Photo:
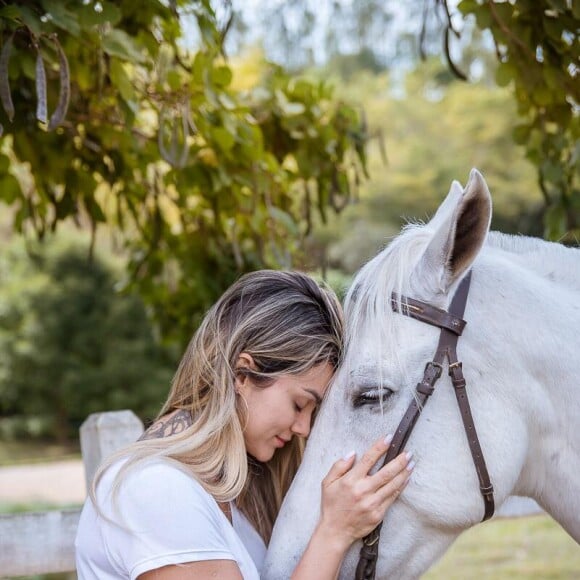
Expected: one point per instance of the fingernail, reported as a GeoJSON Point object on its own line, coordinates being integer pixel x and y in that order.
{"type": "Point", "coordinates": [408, 455]}
{"type": "Point", "coordinates": [388, 439]}
{"type": "Point", "coordinates": [410, 466]}
{"type": "Point", "coordinates": [348, 456]}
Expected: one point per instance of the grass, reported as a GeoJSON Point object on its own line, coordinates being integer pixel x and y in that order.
{"type": "Point", "coordinates": [59, 576]}
{"type": "Point", "coordinates": [17, 452]}
{"type": "Point", "coordinates": [508, 549]}
{"type": "Point", "coordinates": [7, 508]}
{"type": "Point", "coordinates": [527, 548]}
{"type": "Point", "coordinates": [516, 549]}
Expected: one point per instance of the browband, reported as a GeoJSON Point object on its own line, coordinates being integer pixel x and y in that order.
{"type": "Point", "coordinates": [427, 313]}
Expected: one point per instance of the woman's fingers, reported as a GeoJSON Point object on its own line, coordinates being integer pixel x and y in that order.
{"type": "Point", "coordinates": [371, 456]}
{"type": "Point", "coordinates": [389, 471]}
{"type": "Point", "coordinates": [339, 468]}
{"type": "Point", "coordinates": [354, 502]}
{"type": "Point", "coordinates": [389, 492]}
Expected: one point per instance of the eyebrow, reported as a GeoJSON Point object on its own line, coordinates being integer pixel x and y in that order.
{"type": "Point", "coordinates": [314, 394]}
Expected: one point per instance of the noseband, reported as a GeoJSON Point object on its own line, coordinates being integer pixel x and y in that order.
{"type": "Point", "coordinates": [451, 325]}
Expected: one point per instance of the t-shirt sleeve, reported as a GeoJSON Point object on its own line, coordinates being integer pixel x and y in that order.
{"type": "Point", "coordinates": [166, 518]}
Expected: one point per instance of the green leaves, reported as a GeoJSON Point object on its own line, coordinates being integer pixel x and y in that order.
{"type": "Point", "coordinates": [71, 345]}
{"type": "Point", "coordinates": [539, 53]}
{"type": "Point", "coordinates": [118, 43]}
{"type": "Point", "coordinates": [122, 81]}
{"type": "Point", "coordinates": [107, 13]}
{"type": "Point", "coordinates": [223, 138]}
{"type": "Point", "coordinates": [9, 189]}
{"type": "Point", "coordinates": [505, 74]}
{"type": "Point", "coordinates": [58, 13]}
{"type": "Point", "coordinates": [200, 179]}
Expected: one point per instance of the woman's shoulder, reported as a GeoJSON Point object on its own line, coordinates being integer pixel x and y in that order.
{"type": "Point", "coordinates": [155, 479]}
{"type": "Point", "coordinates": [172, 423]}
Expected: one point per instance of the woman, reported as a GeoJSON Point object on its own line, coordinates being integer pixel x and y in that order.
{"type": "Point", "coordinates": [197, 496]}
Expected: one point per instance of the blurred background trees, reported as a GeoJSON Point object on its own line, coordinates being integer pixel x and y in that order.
{"type": "Point", "coordinates": [189, 141]}
{"type": "Point", "coordinates": [534, 51]}
{"type": "Point", "coordinates": [69, 343]}
{"type": "Point", "coordinates": [109, 119]}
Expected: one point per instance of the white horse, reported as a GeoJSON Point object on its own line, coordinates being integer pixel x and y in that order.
{"type": "Point", "coordinates": [520, 352]}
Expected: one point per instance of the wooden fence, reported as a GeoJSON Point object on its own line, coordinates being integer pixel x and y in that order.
{"type": "Point", "coordinates": [43, 542]}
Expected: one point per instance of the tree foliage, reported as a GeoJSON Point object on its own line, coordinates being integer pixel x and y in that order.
{"type": "Point", "coordinates": [70, 345]}
{"type": "Point", "coordinates": [537, 47]}
{"type": "Point", "coordinates": [536, 54]}
{"type": "Point", "coordinates": [108, 119]}
{"type": "Point", "coordinates": [434, 129]}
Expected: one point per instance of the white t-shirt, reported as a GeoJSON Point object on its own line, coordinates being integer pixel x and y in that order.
{"type": "Point", "coordinates": [168, 518]}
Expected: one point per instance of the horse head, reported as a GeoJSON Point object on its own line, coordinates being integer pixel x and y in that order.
{"type": "Point", "coordinates": [510, 368]}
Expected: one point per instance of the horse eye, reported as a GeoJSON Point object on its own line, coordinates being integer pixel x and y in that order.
{"type": "Point", "coordinates": [371, 396]}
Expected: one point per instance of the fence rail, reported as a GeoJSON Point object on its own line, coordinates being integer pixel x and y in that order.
{"type": "Point", "coordinates": [43, 542]}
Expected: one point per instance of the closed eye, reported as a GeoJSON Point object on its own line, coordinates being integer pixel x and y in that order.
{"type": "Point", "coordinates": [372, 396]}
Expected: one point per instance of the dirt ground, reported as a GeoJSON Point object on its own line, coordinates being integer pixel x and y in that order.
{"type": "Point", "coordinates": [61, 482]}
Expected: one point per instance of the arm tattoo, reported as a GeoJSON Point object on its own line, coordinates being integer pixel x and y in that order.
{"type": "Point", "coordinates": [172, 424]}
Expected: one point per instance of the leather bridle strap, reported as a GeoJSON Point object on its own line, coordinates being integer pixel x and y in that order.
{"type": "Point", "coordinates": [452, 325]}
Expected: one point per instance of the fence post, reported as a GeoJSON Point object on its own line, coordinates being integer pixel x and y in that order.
{"type": "Point", "coordinates": [104, 433]}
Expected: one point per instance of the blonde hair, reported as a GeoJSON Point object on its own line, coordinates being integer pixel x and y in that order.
{"type": "Point", "coordinates": [288, 324]}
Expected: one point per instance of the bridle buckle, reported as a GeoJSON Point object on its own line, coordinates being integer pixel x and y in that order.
{"type": "Point", "coordinates": [432, 371]}
{"type": "Point", "coordinates": [371, 542]}
{"type": "Point", "coordinates": [456, 374]}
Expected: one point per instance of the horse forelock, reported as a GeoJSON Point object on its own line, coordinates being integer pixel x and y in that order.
{"type": "Point", "coordinates": [368, 305]}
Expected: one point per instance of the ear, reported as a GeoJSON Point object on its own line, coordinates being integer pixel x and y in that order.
{"type": "Point", "coordinates": [445, 210]}
{"type": "Point", "coordinates": [460, 228]}
{"type": "Point", "coordinates": [245, 361]}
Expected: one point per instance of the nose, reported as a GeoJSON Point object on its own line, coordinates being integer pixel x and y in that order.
{"type": "Point", "coordinates": [301, 426]}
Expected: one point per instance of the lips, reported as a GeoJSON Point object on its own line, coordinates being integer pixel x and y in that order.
{"type": "Point", "coordinates": [281, 442]}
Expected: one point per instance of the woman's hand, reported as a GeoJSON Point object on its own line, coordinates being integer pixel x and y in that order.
{"type": "Point", "coordinates": [354, 502]}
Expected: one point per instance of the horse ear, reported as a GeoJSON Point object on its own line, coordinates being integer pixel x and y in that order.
{"type": "Point", "coordinates": [448, 205]}
{"type": "Point", "coordinates": [460, 228]}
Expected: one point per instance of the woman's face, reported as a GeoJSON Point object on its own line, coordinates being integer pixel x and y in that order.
{"type": "Point", "coordinates": [276, 413]}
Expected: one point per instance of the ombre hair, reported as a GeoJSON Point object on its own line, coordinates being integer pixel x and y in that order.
{"type": "Point", "coordinates": [288, 324]}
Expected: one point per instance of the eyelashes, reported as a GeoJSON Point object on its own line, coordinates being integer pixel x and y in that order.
{"type": "Point", "coordinates": [371, 396]}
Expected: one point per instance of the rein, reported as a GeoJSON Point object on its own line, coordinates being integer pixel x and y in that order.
{"type": "Point", "coordinates": [451, 325]}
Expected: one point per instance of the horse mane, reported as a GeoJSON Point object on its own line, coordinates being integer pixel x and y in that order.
{"type": "Point", "coordinates": [368, 305]}
{"type": "Point", "coordinates": [519, 244]}
{"type": "Point", "coordinates": [550, 260]}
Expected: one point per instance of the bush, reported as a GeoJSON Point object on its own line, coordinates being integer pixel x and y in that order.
{"type": "Point", "coordinates": [70, 345]}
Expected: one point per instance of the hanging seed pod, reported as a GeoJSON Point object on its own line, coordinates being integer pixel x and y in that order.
{"type": "Point", "coordinates": [175, 156]}
{"type": "Point", "coordinates": [174, 143]}
{"type": "Point", "coordinates": [191, 128]}
{"type": "Point", "coordinates": [64, 95]}
{"type": "Point", "coordinates": [160, 141]}
{"type": "Point", "coordinates": [185, 130]}
{"type": "Point", "coordinates": [5, 94]}
{"type": "Point", "coordinates": [41, 101]}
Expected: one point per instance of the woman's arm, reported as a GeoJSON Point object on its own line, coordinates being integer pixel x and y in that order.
{"type": "Point", "coordinates": [207, 569]}
{"type": "Point", "coordinates": [353, 504]}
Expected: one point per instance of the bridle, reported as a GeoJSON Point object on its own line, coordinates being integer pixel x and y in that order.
{"type": "Point", "coordinates": [451, 325]}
